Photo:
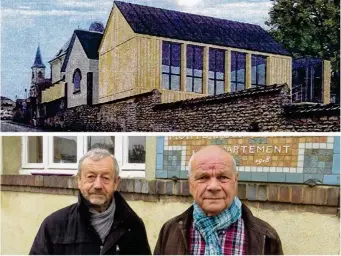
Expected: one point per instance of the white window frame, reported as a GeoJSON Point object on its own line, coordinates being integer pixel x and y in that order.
{"type": "Point", "coordinates": [127, 170]}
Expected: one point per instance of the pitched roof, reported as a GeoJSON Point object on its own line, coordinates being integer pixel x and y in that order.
{"type": "Point", "coordinates": [38, 63]}
{"type": "Point", "coordinates": [62, 50]}
{"type": "Point", "coordinates": [90, 41]}
{"type": "Point", "coordinates": [197, 28]}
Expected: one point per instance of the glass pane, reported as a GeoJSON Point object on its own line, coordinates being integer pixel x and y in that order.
{"type": "Point", "coordinates": [136, 149]}
{"type": "Point", "coordinates": [198, 85]}
{"type": "Point", "coordinates": [210, 87]}
{"type": "Point", "coordinates": [241, 75]}
{"type": "Point", "coordinates": [220, 61]}
{"type": "Point", "coordinates": [198, 72]}
{"type": "Point", "coordinates": [175, 70]}
{"type": "Point", "coordinates": [165, 81]}
{"type": "Point", "coordinates": [211, 74]}
{"type": "Point", "coordinates": [175, 83]}
{"type": "Point", "coordinates": [198, 58]}
{"type": "Point", "coordinates": [165, 53]}
{"type": "Point", "coordinates": [240, 87]}
{"type": "Point", "coordinates": [176, 55]}
{"type": "Point", "coordinates": [189, 56]}
{"type": "Point", "coordinates": [165, 68]}
{"type": "Point", "coordinates": [253, 75]}
{"type": "Point", "coordinates": [220, 75]}
{"type": "Point", "coordinates": [189, 71]}
{"type": "Point", "coordinates": [106, 142]}
{"type": "Point", "coordinates": [65, 149]}
{"type": "Point", "coordinates": [261, 74]}
{"type": "Point", "coordinates": [233, 86]}
{"type": "Point", "coordinates": [35, 149]}
{"type": "Point", "coordinates": [189, 81]}
{"type": "Point", "coordinates": [220, 87]}
{"type": "Point", "coordinates": [212, 59]}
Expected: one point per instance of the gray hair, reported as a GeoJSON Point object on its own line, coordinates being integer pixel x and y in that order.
{"type": "Point", "coordinates": [191, 159]}
{"type": "Point", "coordinates": [97, 154]}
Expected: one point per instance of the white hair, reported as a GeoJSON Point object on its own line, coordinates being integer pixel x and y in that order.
{"type": "Point", "coordinates": [191, 159]}
{"type": "Point", "coordinates": [97, 154]}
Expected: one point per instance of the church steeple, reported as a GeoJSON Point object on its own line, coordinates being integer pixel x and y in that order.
{"type": "Point", "coordinates": [38, 63]}
{"type": "Point", "coordinates": [38, 69]}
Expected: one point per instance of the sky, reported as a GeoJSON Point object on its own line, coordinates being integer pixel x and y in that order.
{"type": "Point", "coordinates": [50, 23]}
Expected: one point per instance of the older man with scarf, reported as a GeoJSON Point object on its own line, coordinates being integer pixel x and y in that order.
{"type": "Point", "coordinates": [101, 222]}
{"type": "Point", "coordinates": [217, 223]}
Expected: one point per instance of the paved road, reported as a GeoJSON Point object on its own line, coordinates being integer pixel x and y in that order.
{"type": "Point", "coordinates": [8, 126]}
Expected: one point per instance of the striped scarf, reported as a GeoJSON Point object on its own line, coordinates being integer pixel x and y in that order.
{"type": "Point", "coordinates": [209, 226]}
{"type": "Point", "coordinates": [102, 221]}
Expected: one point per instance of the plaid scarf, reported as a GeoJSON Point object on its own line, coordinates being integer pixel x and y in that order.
{"type": "Point", "coordinates": [210, 226]}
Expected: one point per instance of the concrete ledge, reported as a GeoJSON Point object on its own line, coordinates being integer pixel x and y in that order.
{"type": "Point", "coordinates": [151, 190]}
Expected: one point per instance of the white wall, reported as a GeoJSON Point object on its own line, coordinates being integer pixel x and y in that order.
{"type": "Point", "coordinates": [78, 59]}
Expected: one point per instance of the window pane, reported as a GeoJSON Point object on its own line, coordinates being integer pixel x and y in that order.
{"type": "Point", "coordinates": [175, 70]}
{"type": "Point", "coordinates": [211, 74]}
{"type": "Point", "coordinates": [189, 81]}
{"type": "Point", "coordinates": [176, 55]}
{"type": "Point", "coordinates": [175, 83]}
{"type": "Point", "coordinates": [240, 87]}
{"type": "Point", "coordinates": [189, 56]}
{"type": "Point", "coordinates": [35, 149]}
{"type": "Point", "coordinates": [198, 72]}
{"type": "Point", "coordinates": [241, 75]}
{"type": "Point", "coordinates": [220, 61]}
{"type": "Point", "coordinates": [165, 68]}
{"type": "Point", "coordinates": [106, 142]}
{"type": "Point", "coordinates": [165, 53]}
{"type": "Point", "coordinates": [210, 87]}
{"type": "Point", "coordinates": [258, 71]}
{"type": "Point", "coordinates": [261, 74]}
{"type": "Point", "coordinates": [198, 58]}
{"type": "Point", "coordinates": [136, 149]}
{"type": "Point", "coordinates": [212, 59]}
{"type": "Point", "coordinates": [220, 75]}
{"type": "Point", "coordinates": [65, 149]}
{"type": "Point", "coordinates": [198, 85]}
{"type": "Point", "coordinates": [165, 81]}
{"type": "Point", "coordinates": [220, 87]}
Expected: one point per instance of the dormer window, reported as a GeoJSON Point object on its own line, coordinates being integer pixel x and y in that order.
{"type": "Point", "coordinates": [77, 77]}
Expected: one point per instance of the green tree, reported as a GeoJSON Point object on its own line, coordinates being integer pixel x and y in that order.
{"type": "Point", "coordinates": [309, 28]}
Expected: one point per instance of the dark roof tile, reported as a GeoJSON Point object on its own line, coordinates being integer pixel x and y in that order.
{"type": "Point", "coordinates": [197, 28]}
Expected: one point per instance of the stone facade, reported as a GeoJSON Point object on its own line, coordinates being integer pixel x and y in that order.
{"type": "Point", "coordinates": [255, 109]}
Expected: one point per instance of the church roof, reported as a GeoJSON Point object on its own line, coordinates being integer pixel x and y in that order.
{"type": "Point", "coordinates": [197, 28]}
{"type": "Point", "coordinates": [90, 41]}
{"type": "Point", "coordinates": [38, 63]}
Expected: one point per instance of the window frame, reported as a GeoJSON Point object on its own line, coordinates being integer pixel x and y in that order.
{"type": "Point", "coordinates": [234, 83]}
{"type": "Point", "coordinates": [215, 79]}
{"type": "Point", "coordinates": [169, 73]}
{"type": "Point", "coordinates": [192, 75]}
{"type": "Point", "coordinates": [47, 167]}
{"type": "Point", "coordinates": [77, 90]}
{"type": "Point", "coordinates": [257, 84]}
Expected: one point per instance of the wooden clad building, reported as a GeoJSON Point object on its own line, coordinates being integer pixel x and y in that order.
{"type": "Point", "coordinates": [185, 55]}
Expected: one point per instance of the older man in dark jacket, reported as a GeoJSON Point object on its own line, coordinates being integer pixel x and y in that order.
{"type": "Point", "coordinates": [101, 222]}
{"type": "Point", "coordinates": [217, 223]}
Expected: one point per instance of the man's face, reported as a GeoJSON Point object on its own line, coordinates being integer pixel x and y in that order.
{"type": "Point", "coordinates": [98, 182]}
{"type": "Point", "coordinates": [213, 183]}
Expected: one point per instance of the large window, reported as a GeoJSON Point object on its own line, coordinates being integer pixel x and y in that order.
{"type": "Point", "coordinates": [238, 65]}
{"type": "Point", "coordinates": [60, 154]}
{"type": "Point", "coordinates": [194, 69]}
{"type": "Point", "coordinates": [258, 77]}
{"type": "Point", "coordinates": [77, 77]}
{"type": "Point", "coordinates": [216, 72]}
{"type": "Point", "coordinates": [171, 62]}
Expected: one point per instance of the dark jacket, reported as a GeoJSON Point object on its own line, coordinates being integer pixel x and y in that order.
{"type": "Point", "coordinates": [175, 234]}
{"type": "Point", "coordinates": [69, 231]}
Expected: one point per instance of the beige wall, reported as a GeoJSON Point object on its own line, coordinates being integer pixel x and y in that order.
{"type": "Point", "coordinates": [300, 232]}
{"type": "Point", "coordinates": [11, 154]}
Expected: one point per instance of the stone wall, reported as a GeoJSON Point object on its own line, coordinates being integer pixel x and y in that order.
{"type": "Point", "coordinates": [255, 109]}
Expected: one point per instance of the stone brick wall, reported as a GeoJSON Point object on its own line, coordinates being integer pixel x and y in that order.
{"type": "Point", "coordinates": [255, 109]}
{"type": "Point", "coordinates": [152, 190]}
